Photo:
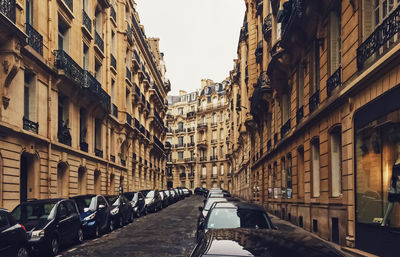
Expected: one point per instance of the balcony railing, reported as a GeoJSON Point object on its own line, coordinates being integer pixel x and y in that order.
{"type": "Point", "coordinates": [299, 114]}
{"type": "Point", "coordinates": [71, 69]}
{"type": "Point", "coordinates": [190, 114]}
{"type": "Point", "coordinates": [203, 159]}
{"type": "Point", "coordinates": [128, 74]}
{"type": "Point", "coordinates": [137, 124]}
{"type": "Point", "coordinates": [334, 81]}
{"type": "Point", "coordinates": [114, 110]}
{"type": "Point", "coordinates": [213, 157]}
{"type": "Point", "coordinates": [112, 158]}
{"type": "Point", "coordinates": [35, 40]}
{"type": "Point", "coordinates": [86, 21]}
{"type": "Point", "coordinates": [98, 152]}
{"type": "Point", "coordinates": [30, 125]}
{"type": "Point", "coordinates": [113, 61]}
{"type": "Point", "coordinates": [64, 136]}
{"type": "Point", "coordinates": [285, 128]}
{"type": "Point", "coordinates": [90, 83]}
{"type": "Point", "coordinates": [182, 176]}
{"type": "Point", "coordinates": [214, 175]}
{"type": "Point", "coordinates": [128, 119]}
{"type": "Point", "coordinates": [84, 146]}
{"type": "Point", "coordinates": [259, 51]}
{"type": "Point", "coordinates": [129, 33]}
{"type": "Point", "coordinates": [202, 125]}
{"type": "Point", "coordinates": [113, 14]}
{"type": "Point", "coordinates": [379, 38]}
{"type": "Point", "coordinates": [180, 130]}
{"type": "Point", "coordinates": [214, 141]}
{"type": "Point", "coordinates": [314, 101]}
{"type": "Point", "coordinates": [191, 159]}
{"type": "Point", "coordinates": [7, 7]}
{"type": "Point", "coordinates": [267, 26]}
{"type": "Point", "coordinates": [70, 4]}
{"type": "Point", "coordinates": [158, 143]}
{"type": "Point", "coordinates": [98, 41]}
{"type": "Point", "coordinates": [123, 162]}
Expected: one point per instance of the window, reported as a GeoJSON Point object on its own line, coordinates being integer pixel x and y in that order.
{"type": "Point", "coordinates": [214, 151]}
{"type": "Point", "coordinates": [180, 155]}
{"type": "Point", "coordinates": [63, 35]}
{"type": "Point", "coordinates": [180, 111]}
{"type": "Point", "coordinates": [112, 91]}
{"type": "Point", "coordinates": [204, 104]}
{"type": "Point", "coordinates": [191, 139]}
{"type": "Point", "coordinates": [63, 111]}
{"type": "Point", "coordinates": [285, 107]}
{"type": "Point", "coordinates": [284, 177]}
{"type": "Point", "coordinates": [315, 168]}
{"type": "Point", "coordinates": [214, 134]}
{"type": "Point", "coordinates": [222, 169]}
{"type": "Point", "coordinates": [127, 100]}
{"type": "Point", "coordinates": [214, 118]}
{"type": "Point", "coordinates": [375, 11]}
{"type": "Point", "coordinates": [86, 58]}
{"type": "Point", "coordinates": [221, 151]}
{"type": "Point", "coordinates": [180, 126]}
{"type": "Point", "coordinates": [203, 171]}
{"type": "Point", "coordinates": [97, 134]}
{"type": "Point", "coordinates": [82, 125]}
{"type": "Point", "coordinates": [29, 96]}
{"type": "Point", "coordinates": [97, 71]}
{"type": "Point", "coordinates": [300, 85]}
{"type": "Point", "coordinates": [29, 12]}
{"type": "Point", "coordinates": [335, 40]}
{"type": "Point", "coordinates": [215, 102]}
{"type": "Point", "coordinates": [204, 120]}
{"type": "Point", "coordinates": [336, 162]}
{"type": "Point", "coordinates": [314, 69]}
{"type": "Point", "coordinates": [98, 22]}
{"type": "Point", "coordinates": [180, 141]}
{"type": "Point", "coordinates": [214, 171]}
{"type": "Point", "coordinates": [222, 135]}
{"type": "Point", "coordinates": [289, 187]}
{"type": "Point", "coordinates": [274, 178]}
{"type": "Point", "coordinates": [191, 184]}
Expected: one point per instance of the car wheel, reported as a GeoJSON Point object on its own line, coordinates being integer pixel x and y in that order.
{"type": "Point", "coordinates": [97, 232]}
{"type": "Point", "coordinates": [79, 236]}
{"type": "Point", "coordinates": [146, 211]}
{"type": "Point", "coordinates": [22, 252]}
{"type": "Point", "coordinates": [121, 222]}
{"type": "Point", "coordinates": [138, 214]}
{"type": "Point", "coordinates": [111, 226]}
{"type": "Point", "coordinates": [54, 246]}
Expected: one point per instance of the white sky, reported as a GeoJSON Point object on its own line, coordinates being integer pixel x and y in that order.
{"type": "Point", "coordinates": [198, 37]}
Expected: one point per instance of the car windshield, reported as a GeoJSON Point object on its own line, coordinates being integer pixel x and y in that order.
{"type": "Point", "coordinates": [113, 199]}
{"type": "Point", "coordinates": [85, 202]}
{"type": "Point", "coordinates": [210, 201]}
{"type": "Point", "coordinates": [130, 196]}
{"type": "Point", "coordinates": [33, 211]}
{"type": "Point", "coordinates": [166, 193]}
{"type": "Point", "coordinates": [150, 194]}
{"type": "Point", "coordinates": [236, 218]}
{"type": "Point", "coordinates": [135, 197]}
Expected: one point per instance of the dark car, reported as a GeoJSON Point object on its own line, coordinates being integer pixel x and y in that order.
{"type": "Point", "coordinates": [137, 201]}
{"type": "Point", "coordinates": [201, 191]}
{"type": "Point", "coordinates": [95, 214]}
{"type": "Point", "coordinates": [153, 201]}
{"type": "Point", "coordinates": [180, 193]}
{"type": "Point", "coordinates": [186, 192]}
{"type": "Point", "coordinates": [50, 223]}
{"type": "Point", "coordinates": [207, 206]}
{"type": "Point", "coordinates": [121, 210]}
{"type": "Point", "coordinates": [174, 195]}
{"type": "Point", "coordinates": [234, 215]}
{"type": "Point", "coordinates": [170, 199]}
{"type": "Point", "coordinates": [164, 199]}
{"type": "Point", "coordinates": [13, 240]}
{"type": "Point", "coordinates": [262, 242]}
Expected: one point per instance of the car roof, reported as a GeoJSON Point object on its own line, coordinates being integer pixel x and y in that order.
{"type": "Point", "coordinates": [238, 205]}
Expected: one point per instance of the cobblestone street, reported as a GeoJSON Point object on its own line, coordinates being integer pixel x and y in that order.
{"type": "Point", "coordinates": [170, 232]}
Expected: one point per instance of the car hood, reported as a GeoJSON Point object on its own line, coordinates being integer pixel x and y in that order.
{"type": "Point", "coordinates": [36, 224]}
{"type": "Point", "coordinates": [264, 242]}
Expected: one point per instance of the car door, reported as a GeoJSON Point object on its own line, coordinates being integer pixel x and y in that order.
{"type": "Point", "coordinates": [7, 235]}
{"type": "Point", "coordinates": [140, 201]}
{"type": "Point", "coordinates": [102, 212]}
{"type": "Point", "coordinates": [63, 223]}
{"type": "Point", "coordinates": [73, 218]}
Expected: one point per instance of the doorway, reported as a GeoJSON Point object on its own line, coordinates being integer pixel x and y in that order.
{"type": "Point", "coordinates": [29, 178]}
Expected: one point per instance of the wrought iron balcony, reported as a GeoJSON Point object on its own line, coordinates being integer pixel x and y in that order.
{"type": "Point", "coordinates": [147, 134]}
{"type": "Point", "coordinates": [244, 32]}
{"type": "Point", "coordinates": [381, 35]}
{"type": "Point", "coordinates": [213, 124]}
{"type": "Point", "coordinates": [7, 8]}
{"type": "Point", "coordinates": [71, 69]}
{"type": "Point", "coordinates": [123, 162]}
{"type": "Point", "coordinates": [136, 58]}
{"type": "Point", "coordinates": [98, 152]}
{"type": "Point", "coordinates": [128, 119]}
{"type": "Point", "coordinates": [158, 118]}
{"type": "Point", "coordinates": [213, 157]}
{"type": "Point", "coordinates": [159, 144]}
{"type": "Point", "coordinates": [64, 136]}
{"type": "Point", "coordinates": [202, 125]}
{"type": "Point", "coordinates": [137, 124]}
{"type": "Point", "coordinates": [35, 40]}
{"type": "Point", "coordinates": [70, 4]}
{"type": "Point", "coordinates": [182, 176]}
{"type": "Point", "coordinates": [267, 26]}
{"type": "Point", "coordinates": [137, 91]}
{"type": "Point", "coordinates": [30, 125]}
{"type": "Point", "coordinates": [129, 33]}
{"type": "Point", "coordinates": [113, 14]}
{"type": "Point", "coordinates": [292, 11]}
{"type": "Point", "coordinates": [142, 129]}
{"type": "Point", "coordinates": [98, 41]}
{"type": "Point", "coordinates": [84, 146]}
{"type": "Point", "coordinates": [299, 114]}
{"type": "Point", "coordinates": [203, 159]}
{"type": "Point", "coordinates": [190, 114]}
{"type": "Point", "coordinates": [259, 6]}
{"type": "Point", "coordinates": [314, 101]}
{"type": "Point", "coordinates": [113, 61]}
{"type": "Point", "coordinates": [86, 21]}
{"type": "Point", "coordinates": [259, 51]}
{"type": "Point", "coordinates": [269, 144]}
{"type": "Point", "coordinates": [114, 110]}
{"type": "Point", "coordinates": [128, 74]}
{"type": "Point", "coordinates": [285, 128]}
{"type": "Point", "coordinates": [112, 158]}
{"type": "Point", "coordinates": [334, 81]}
{"type": "Point", "coordinates": [276, 138]}
{"type": "Point", "coordinates": [90, 83]}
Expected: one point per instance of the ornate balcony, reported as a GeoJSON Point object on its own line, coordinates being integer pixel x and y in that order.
{"type": "Point", "coordinates": [112, 158]}
{"type": "Point", "coordinates": [98, 152]}
{"type": "Point", "coordinates": [70, 4]}
{"type": "Point", "coordinates": [382, 34]}
{"type": "Point", "coordinates": [285, 128]}
{"type": "Point", "coordinates": [244, 32]}
{"type": "Point", "coordinates": [98, 41]}
{"type": "Point", "coordinates": [128, 74]}
{"type": "Point", "coordinates": [84, 146]}
{"type": "Point", "coordinates": [259, 52]}
{"type": "Point", "coordinates": [114, 111]}
{"type": "Point", "coordinates": [213, 157]}
{"type": "Point", "coordinates": [123, 162]}
{"type": "Point", "coordinates": [91, 84]}
{"type": "Point", "coordinates": [267, 27]}
{"type": "Point", "coordinates": [299, 114]}
{"type": "Point", "coordinates": [128, 119]}
{"type": "Point", "coordinates": [191, 159]}
{"type": "Point", "coordinates": [202, 126]}
{"type": "Point", "coordinates": [113, 61]}
{"type": "Point", "coordinates": [314, 101]}
{"type": "Point", "coordinates": [129, 33]}
{"type": "Point", "coordinates": [7, 8]}
{"type": "Point", "coordinates": [71, 69]}
{"type": "Point", "coordinates": [86, 21]}
{"type": "Point", "coordinates": [203, 159]}
{"type": "Point", "coordinates": [334, 81]}
{"type": "Point", "coordinates": [113, 14]}
{"type": "Point", "coordinates": [35, 40]}
{"type": "Point", "coordinates": [30, 125]}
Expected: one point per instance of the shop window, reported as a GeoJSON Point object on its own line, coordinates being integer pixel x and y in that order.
{"type": "Point", "coordinates": [336, 162]}
{"type": "Point", "coordinates": [315, 168]}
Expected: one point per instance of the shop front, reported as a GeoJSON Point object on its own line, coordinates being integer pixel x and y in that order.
{"type": "Point", "coordinates": [377, 174]}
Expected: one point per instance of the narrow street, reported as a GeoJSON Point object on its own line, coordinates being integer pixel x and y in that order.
{"type": "Point", "coordinates": [169, 232]}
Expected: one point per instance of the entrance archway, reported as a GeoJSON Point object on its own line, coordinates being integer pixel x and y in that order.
{"type": "Point", "coordinates": [62, 179]}
{"type": "Point", "coordinates": [29, 177]}
{"type": "Point", "coordinates": [170, 184]}
{"type": "Point", "coordinates": [82, 180]}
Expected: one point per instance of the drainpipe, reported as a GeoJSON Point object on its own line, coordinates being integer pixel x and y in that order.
{"type": "Point", "coordinates": [49, 135]}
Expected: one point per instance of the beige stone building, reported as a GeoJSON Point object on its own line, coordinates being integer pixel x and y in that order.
{"type": "Point", "coordinates": [197, 133]}
{"type": "Point", "coordinates": [82, 100]}
{"type": "Point", "coordinates": [314, 99]}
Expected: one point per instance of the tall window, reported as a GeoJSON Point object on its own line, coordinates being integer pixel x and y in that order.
{"type": "Point", "coordinates": [300, 85]}
{"type": "Point", "coordinates": [97, 134]}
{"type": "Point", "coordinates": [203, 171]}
{"type": "Point", "coordinates": [180, 111]}
{"type": "Point", "coordinates": [86, 57]}
{"type": "Point", "coordinates": [214, 118]}
{"type": "Point", "coordinates": [222, 169]}
{"type": "Point", "coordinates": [127, 100]}
{"type": "Point", "coordinates": [375, 11]}
{"type": "Point", "coordinates": [29, 96]}
{"type": "Point", "coordinates": [29, 12]}
{"type": "Point", "coordinates": [289, 187]}
{"type": "Point", "coordinates": [180, 126]}
{"type": "Point", "coordinates": [204, 104]}
{"type": "Point", "coordinates": [215, 102]}
{"type": "Point", "coordinates": [336, 162]}
{"type": "Point", "coordinates": [97, 71]}
{"type": "Point", "coordinates": [221, 152]}
{"type": "Point", "coordinates": [214, 151]}
{"type": "Point", "coordinates": [98, 22]}
{"type": "Point", "coordinates": [180, 155]}
{"type": "Point", "coordinates": [215, 170]}
{"type": "Point", "coordinates": [335, 40]}
{"type": "Point", "coordinates": [63, 35]}
{"type": "Point", "coordinates": [315, 168]}
{"type": "Point", "coordinates": [192, 139]}
{"type": "Point", "coordinates": [180, 141]}
{"type": "Point", "coordinates": [214, 134]}
{"type": "Point", "coordinates": [204, 121]}
{"type": "Point", "coordinates": [82, 125]}
{"type": "Point", "coordinates": [113, 43]}
{"type": "Point", "coordinates": [112, 91]}
{"type": "Point", "coordinates": [314, 69]}
{"type": "Point", "coordinates": [285, 107]}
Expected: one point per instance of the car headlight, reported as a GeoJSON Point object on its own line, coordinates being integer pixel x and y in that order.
{"type": "Point", "coordinates": [114, 211]}
{"type": "Point", "coordinates": [37, 233]}
{"type": "Point", "coordinates": [90, 217]}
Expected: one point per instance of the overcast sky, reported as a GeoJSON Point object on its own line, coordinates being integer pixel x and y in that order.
{"type": "Point", "coordinates": [198, 37]}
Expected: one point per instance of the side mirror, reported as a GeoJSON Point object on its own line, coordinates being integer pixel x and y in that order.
{"type": "Point", "coordinates": [200, 208]}
{"type": "Point", "coordinates": [102, 206]}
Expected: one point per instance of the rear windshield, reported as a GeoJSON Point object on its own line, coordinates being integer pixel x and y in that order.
{"type": "Point", "coordinates": [210, 201]}
{"type": "Point", "coordinates": [34, 211]}
{"type": "Point", "coordinates": [237, 218]}
{"type": "Point", "coordinates": [85, 202]}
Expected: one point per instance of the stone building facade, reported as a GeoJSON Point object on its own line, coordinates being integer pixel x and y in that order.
{"type": "Point", "coordinates": [82, 100]}
{"type": "Point", "coordinates": [197, 132]}
{"type": "Point", "coordinates": [316, 135]}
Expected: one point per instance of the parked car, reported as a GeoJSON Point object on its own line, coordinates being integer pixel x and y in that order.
{"type": "Point", "coordinates": [180, 193]}
{"type": "Point", "coordinates": [95, 214]}
{"type": "Point", "coordinates": [234, 215]}
{"type": "Point", "coordinates": [121, 210]}
{"type": "Point", "coordinates": [50, 223]}
{"type": "Point", "coordinates": [164, 199]}
{"type": "Point", "coordinates": [137, 201]}
{"type": "Point", "coordinates": [186, 192]}
{"type": "Point", "coordinates": [153, 201]}
{"type": "Point", "coordinates": [13, 240]}
{"type": "Point", "coordinates": [262, 242]}
{"type": "Point", "coordinates": [169, 197]}
{"type": "Point", "coordinates": [174, 194]}
{"type": "Point", "coordinates": [201, 191]}
{"type": "Point", "coordinates": [207, 206]}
